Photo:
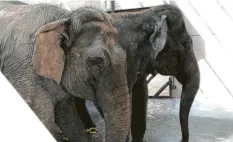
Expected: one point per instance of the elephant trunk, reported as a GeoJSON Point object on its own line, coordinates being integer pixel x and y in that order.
{"type": "Point", "coordinates": [114, 99]}
{"type": "Point", "coordinates": [116, 110]}
{"type": "Point", "coordinates": [189, 77]}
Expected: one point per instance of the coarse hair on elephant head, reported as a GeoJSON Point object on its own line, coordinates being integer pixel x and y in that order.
{"type": "Point", "coordinates": [81, 53]}
{"type": "Point", "coordinates": [142, 36]}
{"type": "Point", "coordinates": [156, 40]}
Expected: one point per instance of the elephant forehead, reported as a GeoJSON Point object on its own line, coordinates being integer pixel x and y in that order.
{"type": "Point", "coordinates": [105, 28]}
{"type": "Point", "coordinates": [99, 28]}
{"type": "Point", "coordinates": [107, 31]}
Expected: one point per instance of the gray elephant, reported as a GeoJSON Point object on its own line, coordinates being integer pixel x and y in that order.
{"type": "Point", "coordinates": [52, 56]}
{"type": "Point", "coordinates": [142, 35]}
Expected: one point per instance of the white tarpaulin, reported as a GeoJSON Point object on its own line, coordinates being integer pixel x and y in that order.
{"type": "Point", "coordinates": [18, 122]}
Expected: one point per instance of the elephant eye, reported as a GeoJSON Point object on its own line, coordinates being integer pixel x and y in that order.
{"type": "Point", "coordinates": [96, 61]}
{"type": "Point", "coordinates": [96, 66]}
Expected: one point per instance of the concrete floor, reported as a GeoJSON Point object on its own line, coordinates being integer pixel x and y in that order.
{"type": "Point", "coordinates": [210, 120]}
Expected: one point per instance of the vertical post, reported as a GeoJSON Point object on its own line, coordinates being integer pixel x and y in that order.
{"type": "Point", "coordinates": [112, 6]}
{"type": "Point", "coordinates": [106, 5]}
{"type": "Point", "coordinates": [170, 86]}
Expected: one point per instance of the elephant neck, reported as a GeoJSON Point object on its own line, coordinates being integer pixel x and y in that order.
{"type": "Point", "coordinates": [134, 39]}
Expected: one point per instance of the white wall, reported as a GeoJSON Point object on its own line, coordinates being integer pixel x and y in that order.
{"type": "Point", "coordinates": [213, 47]}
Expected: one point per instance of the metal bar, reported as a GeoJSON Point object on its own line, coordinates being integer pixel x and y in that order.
{"type": "Point", "coordinates": [170, 86]}
{"type": "Point", "coordinates": [160, 90]}
{"type": "Point", "coordinates": [150, 78]}
{"type": "Point", "coordinates": [112, 6]}
{"type": "Point", "coordinates": [160, 97]}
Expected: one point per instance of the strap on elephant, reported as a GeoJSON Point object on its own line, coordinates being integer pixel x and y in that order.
{"type": "Point", "coordinates": [92, 130]}
{"type": "Point", "coordinates": [65, 139]}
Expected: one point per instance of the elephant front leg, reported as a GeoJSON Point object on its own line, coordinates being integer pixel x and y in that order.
{"type": "Point", "coordinates": [187, 98]}
{"type": "Point", "coordinates": [56, 132]}
{"type": "Point", "coordinates": [190, 79]}
{"type": "Point", "coordinates": [45, 111]}
{"type": "Point", "coordinates": [139, 110]}
{"type": "Point", "coordinates": [69, 121]}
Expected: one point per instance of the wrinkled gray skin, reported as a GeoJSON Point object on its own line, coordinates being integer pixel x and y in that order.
{"type": "Point", "coordinates": [141, 34]}
{"type": "Point", "coordinates": [50, 55]}
{"type": "Point", "coordinates": [5, 4]}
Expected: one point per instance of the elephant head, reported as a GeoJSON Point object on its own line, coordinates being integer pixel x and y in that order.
{"type": "Point", "coordinates": [81, 54]}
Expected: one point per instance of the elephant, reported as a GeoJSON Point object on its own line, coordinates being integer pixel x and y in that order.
{"type": "Point", "coordinates": [156, 41]}
{"type": "Point", "coordinates": [52, 56]}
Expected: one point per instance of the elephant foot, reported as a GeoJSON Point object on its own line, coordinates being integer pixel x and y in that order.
{"type": "Point", "coordinates": [138, 140]}
{"type": "Point", "coordinates": [184, 140]}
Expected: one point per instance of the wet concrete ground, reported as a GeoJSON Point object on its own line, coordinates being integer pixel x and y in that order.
{"type": "Point", "coordinates": [211, 119]}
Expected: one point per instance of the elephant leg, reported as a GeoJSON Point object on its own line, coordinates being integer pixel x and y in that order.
{"type": "Point", "coordinates": [84, 115]}
{"type": "Point", "coordinates": [69, 121]}
{"type": "Point", "coordinates": [49, 122]}
{"type": "Point", "coordinates": [139, 110]}
{"type": "Point", "coordinates": [190, 79]}
{"type": "Point", "coordinates": [55, 131]}
{"type": "Point", "coordinates": [43, 107]}
{"type": "Point", "coordinates": [187, 98]}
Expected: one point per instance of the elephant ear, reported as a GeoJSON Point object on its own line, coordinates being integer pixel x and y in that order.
{"type": "Point", "coordinates": [159, 37]}
{"type": "Point", "coordinates": [48, 57]}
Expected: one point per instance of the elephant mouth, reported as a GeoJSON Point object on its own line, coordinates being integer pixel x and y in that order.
{"type": "Point", "coordinates": [167, 70]}
{"type": "Point", "coordinates": [162, 69]}
{"type": "Point", "coordinates": [163, 72]}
